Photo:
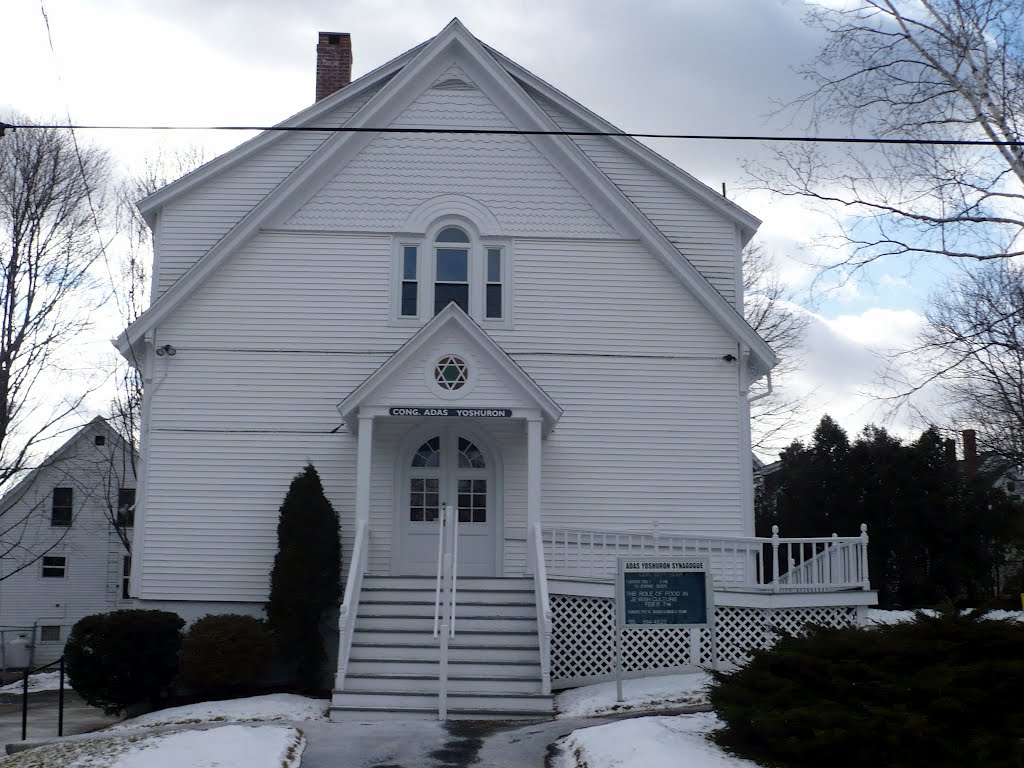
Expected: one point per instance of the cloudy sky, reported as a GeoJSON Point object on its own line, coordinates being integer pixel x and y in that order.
{"type": "Point", "coordinates": [678, 66]}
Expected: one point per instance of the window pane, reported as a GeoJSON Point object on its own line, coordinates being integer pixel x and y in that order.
{"type": "Point", "coordinates": [493, 300]}
{"type": "Point", "coordinates": [409, 300]}
{"type": "Point", "coordinates": [452, 264]}
{"type": "Point", "coordinates": [445, 293]}
{"type": "Point", "coordinates": [470, 456]}
{"type": "Point", "coordinates": [493, 265]}
{"type": "Point", "coordinates": [62, 507]}
{"type": "Point", "coordinates": [49, 633]}
{"type": "Point", "coordinates": [452, 235]}
{"type": "Point", "coordinates": [409, 262]}
{"type": "Point", "coordinates": [428, 455]}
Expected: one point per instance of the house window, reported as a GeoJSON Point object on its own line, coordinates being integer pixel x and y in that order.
{"type": "Point", "coordinates": [100, 440]}
{"type": "Point", "coordinates": [126, 572]}
{"type": "Point", "coordinates": [493, 288]}
{"type": "Point", "coordinates": [49, 633]}
{"type": "Point", "coordinates": [61, 512]}
{"type": "Point", "coordinates": [55, 567]}
{"type": "Point", "coordinates": [451, 269]}
{"type": "Point", "coordinates": [126, 507]}
{"type": "Point", "coordinates": [409, 299]}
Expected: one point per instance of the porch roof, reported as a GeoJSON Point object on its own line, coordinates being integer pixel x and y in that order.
{"type": "Point", "coordinates": [450, 323]}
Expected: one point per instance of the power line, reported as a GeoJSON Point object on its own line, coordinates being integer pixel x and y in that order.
{"type": "Point", "coordinates": [517, 132]}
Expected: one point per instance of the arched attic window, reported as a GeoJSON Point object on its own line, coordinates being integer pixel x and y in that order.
{"type": "Point", "coordinates": [451, 269]}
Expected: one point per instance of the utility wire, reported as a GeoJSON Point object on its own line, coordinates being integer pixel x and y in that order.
{"type": "Point", "coordinates": [516, 132]}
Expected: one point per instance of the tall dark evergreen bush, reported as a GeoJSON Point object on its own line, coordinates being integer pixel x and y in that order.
{"type": "Point", "coordinates": [305, 581]}
{"type": "Point", "coordinates": [119, 659]}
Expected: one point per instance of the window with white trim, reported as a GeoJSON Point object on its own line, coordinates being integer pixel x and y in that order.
{"type": "Point", "coordinates": [451, 263]}
{"type": "Point", "coordinates": [49, 633]}
{"type": "Point", "coordinates": [55, 567]}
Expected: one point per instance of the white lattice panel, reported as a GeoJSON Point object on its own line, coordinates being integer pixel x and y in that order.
{"type": "Point", "coordinates": [582, 643]}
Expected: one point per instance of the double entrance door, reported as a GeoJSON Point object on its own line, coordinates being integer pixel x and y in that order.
{"type": "Point", "coordinates": [448, 468]}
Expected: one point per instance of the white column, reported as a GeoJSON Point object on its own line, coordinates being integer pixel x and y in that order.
{"type": "Point", "coordinates": [364, 460]}
{"type": "Point", "coordinates": [533, 480]}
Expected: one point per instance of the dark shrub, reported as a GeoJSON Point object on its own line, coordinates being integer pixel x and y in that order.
{"type": "Point", "coordinates": [225, 653]}
{"type": "Point", "coordinates": [119, 659]}
{"type": "Point", "coordinates": [305, 580]}
{"type": "Point", "coordinates": [938, 691]}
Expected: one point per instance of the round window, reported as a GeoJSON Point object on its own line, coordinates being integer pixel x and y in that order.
{"type": "Point", "coordinates": [451, 372]}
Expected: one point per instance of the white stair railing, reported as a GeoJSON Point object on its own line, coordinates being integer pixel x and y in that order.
{"type": "Point", "coordinates": [444, 597]}
{"type": "Point", "coordinates": [540, 580]}
{"type": "Point", "coordinates": [350, 606]}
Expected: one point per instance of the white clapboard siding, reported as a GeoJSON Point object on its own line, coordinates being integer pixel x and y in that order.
{"type": "Point", "coordinates": [392, 176]}
{"type": "Point", "coordinates": [707, 238]}
{"type": "Point", "coordinates": [191, 225]}
{"type": "Point", "coordinates": [330, 293]}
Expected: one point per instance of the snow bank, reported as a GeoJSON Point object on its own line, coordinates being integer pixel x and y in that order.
{"type": "Point", "coordinates": [879, 617]}
{"type": "Point", "coordinates": [642, 694]}
{"type": "Point", "coordinates": [651, 742]}
{"type": "Point", "coordinates": [40, 681]}
{"type": "Point", "coordinates": [232, 746]}
{"type": "Point", "coordinates": [275, 706]}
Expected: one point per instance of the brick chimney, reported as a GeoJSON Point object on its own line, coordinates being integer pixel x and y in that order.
{"type": "Point", "coordinates": [333, 63]}
{"type": "Point", "coordinates": [949, 449]}
{"type": "Point", "coordinates": [970, 451]}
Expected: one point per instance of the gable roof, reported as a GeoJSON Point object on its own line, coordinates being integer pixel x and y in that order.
{"type": "Point", "coordinates": [418, 69]}
{"type": "Point", "coordinates": [97, 424]}
{"type": "Point", "coordinates": [451, 315]}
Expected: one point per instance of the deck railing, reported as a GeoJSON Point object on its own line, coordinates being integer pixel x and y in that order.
{"type": "Point", "coordinates": [350, 606]}
{"type": "Point", "coordinates": [753, 563]}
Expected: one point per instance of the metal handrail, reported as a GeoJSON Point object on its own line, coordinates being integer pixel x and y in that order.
{"type": "Point", "coordinates": [350, 606]}
{"type": "Point", "coordinates": [455, 565]}
{"type": "Point", "coordinates": [442, 514]}
{"type": "Point", "coordinates": [544, 622]}
{"type": "Point", "coordinates": [60, 697]}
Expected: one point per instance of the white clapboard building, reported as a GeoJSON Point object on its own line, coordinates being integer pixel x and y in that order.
{"type": "Point", "coordinates": [65, 537]}
{"type": "Point", "coordinates": [537, 337]}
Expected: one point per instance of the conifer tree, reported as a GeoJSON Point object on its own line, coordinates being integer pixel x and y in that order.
{"type": "Point", "coordinates": [305, 580]}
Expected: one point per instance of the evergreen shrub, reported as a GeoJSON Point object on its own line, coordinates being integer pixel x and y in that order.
{"type": "Point", "coordinates": [938, 691]}
{"type": "Point", "coordinates": [305, 580]}
{"type": "Point", "coordinates": [119, 659]}
{"type": "Point", "coordinates": [226, 653]}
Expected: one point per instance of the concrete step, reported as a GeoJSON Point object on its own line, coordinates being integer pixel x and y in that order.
{"type": "Point", "coordinates": [523, 584]}
{"type": "Point", "coordinates": [421, 702]}
{"type": "Point", "coordinates": [379, 683]}
{"type": "Point", "coordinates": [462, 608]}
{"type": "Point", "coordinates": [463, 623]}
{"type": "Point", "coordinates": [462, 639]}
{"type": "Point", "coordinates": [429, 651]}
{"type": "Point", "coordinates": [404, 665]}
{"type": "Point", "coordinates": [426, 596]}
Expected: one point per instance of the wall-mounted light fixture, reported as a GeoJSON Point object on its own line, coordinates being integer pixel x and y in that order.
{"type": "Point", "coordinates": [166, 349]}
{"type": "Point", "coordinates": [727, 358]}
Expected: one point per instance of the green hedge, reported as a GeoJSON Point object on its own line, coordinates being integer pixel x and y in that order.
{"type": "Point", "coordinates": [937, 691]}
{"type": "Point", "coordinates": [120, 659]}
{"type": "Point", "coordinates": [226, 653]}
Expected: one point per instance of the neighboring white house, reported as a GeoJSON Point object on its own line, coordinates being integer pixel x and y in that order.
{"type": "Point", "coordinates": [61, 557]}
{"type": "Point", "coordinates": [543, 333]}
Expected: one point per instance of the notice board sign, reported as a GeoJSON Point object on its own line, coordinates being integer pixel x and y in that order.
{"type": "Point", "coordinates": [664, 592]}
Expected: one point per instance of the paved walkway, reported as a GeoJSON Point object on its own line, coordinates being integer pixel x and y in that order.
{"type": "Point", "coordinates": [372, 743]}
{"type": "Point", "coordinates": [79, 717]}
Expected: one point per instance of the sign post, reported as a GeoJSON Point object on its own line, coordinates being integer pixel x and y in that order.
{"type": "Point", "coordinates": [662, 592]}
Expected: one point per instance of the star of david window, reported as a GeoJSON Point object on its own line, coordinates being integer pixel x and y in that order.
{"type": "Point", "coordinates": [451, 373]}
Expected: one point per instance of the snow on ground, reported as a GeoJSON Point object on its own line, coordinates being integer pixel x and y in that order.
{"type": "Point", "coordinates": [880, 617]}
{"type": "Point", "coordinates": [641, 694]}
{"type": "Point", "coordinates": [653, 742]}
{"type": "Point", "coordinates": [275, 706]}
{"type": "Point", "coordinates": [40, 681]}
{"type": "Point", "coordinates": [229, 746]}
